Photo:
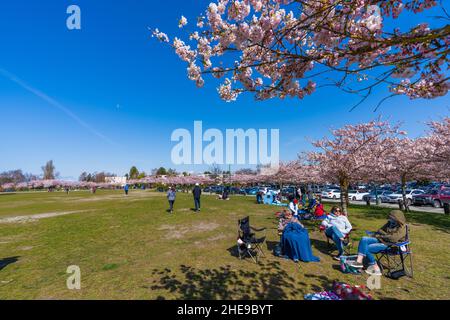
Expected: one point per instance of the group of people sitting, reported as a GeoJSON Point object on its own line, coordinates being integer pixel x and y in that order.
{"type": "Point", "coordinates": [295, 241]}
{"type": "Point", "coordinates": [314, 210]}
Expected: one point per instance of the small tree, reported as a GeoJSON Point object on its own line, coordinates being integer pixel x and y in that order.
{"type": "Point", "coordinates": [215, 171]}
{"type": "Point", "coordinates": [172, 172]}
{"type": "Point", "coordinates": [142, 175]}
{"type": "Point", "coordinates": [48, 171]}
{"type": "Point", "coordinates": [161, 171]}
{"type": "Point", "coordinates": [134, 173]}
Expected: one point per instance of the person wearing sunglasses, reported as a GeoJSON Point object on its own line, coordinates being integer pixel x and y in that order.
{"type": "Point", "coordinates": [337, 226]}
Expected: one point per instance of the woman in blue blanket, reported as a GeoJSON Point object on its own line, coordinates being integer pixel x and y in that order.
{"type": "Point", "coordinates": [295, 243]}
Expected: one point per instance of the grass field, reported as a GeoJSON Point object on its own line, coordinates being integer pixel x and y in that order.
{"type": "Point", "coordinates": [130, 248]}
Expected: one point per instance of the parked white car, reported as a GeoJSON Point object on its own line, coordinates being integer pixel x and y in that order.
{"type": "Point", "coordinates": [395, 197]}
{"type": "Point", "coordinates": [356, 195]}
{"type": "Point", "coordinates": [331, 194]}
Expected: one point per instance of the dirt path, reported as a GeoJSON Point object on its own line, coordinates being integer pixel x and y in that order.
{"type": "Point", "coordinates": [36, 217]}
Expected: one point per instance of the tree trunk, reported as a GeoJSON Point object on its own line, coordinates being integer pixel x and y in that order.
{"type": "Point", "coordinates": [344, 195]}
{"type": "Point", "coordinates": [405, 203]}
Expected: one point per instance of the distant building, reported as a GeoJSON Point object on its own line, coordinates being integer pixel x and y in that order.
{"type": "Point", "coordinates": [116, 180]}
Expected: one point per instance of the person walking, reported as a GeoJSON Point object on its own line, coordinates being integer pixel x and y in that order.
{"type": "Point", "coordinates": [126, 188]}
{"type": "Point", "coordinates": [197, 192]}
{"type": "Point", "coordinates": [171, 196]}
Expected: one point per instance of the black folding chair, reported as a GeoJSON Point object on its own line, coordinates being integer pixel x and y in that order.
{"type": "Point", "coordinates": [396, 260]}
{"type": "Point", "coordinates": [248, 243]}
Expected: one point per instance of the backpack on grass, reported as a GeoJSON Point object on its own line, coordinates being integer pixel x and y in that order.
{"type": "Point", "coordinates": [346, 267]}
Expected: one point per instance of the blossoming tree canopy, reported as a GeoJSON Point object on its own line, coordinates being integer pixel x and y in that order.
{"type": "Point", "coordinates": [354, 153]}
{"type": "Point", "coordinates": [281, 48]}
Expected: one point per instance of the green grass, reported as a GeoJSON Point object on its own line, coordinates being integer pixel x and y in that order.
{"type": "Point", "coordinates": [130, 248]}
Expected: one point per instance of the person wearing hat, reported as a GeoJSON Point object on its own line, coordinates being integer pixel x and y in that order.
{"type": "Point", "coordinates": [197, 192]}
{"type": "Point", "coordinates": [393, 231]}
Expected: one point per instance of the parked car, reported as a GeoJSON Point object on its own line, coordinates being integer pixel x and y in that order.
{"type": "Point", "coordinates": [252, 191]}
{"type": "Point", "coordinates": [382, 195]}
{"type": "Point", "coordinates": [331, 194]}
{"type": "Point", "coordinates": [236, 190]}
{"type": "Point", "coordinates": [434, 197]}
{"type": "Point", "coordinates": [208, 189]}
{"type": "Point", "coordinates": [395, 197]}
{"type": "Point", "coordinates": [356, 195]}
{"type": "Point", "coordinates": [288, 191]}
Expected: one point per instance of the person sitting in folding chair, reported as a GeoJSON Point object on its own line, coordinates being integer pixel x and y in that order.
{"type": "Point", "coordinates": [337, 227]}
{"type": "Point", "coordinates": [295, 242]}
{"type": "Point", "coordinates": [393, 231]}
{"type": "Point", "coordinates": [319, 211]}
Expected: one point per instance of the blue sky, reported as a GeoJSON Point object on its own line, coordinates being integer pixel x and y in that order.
{"type": "Point", "coordinates": [109, 96]}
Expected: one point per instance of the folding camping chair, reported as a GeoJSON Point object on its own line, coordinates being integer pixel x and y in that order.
{"type": "Point", "coordinates": [248, 243]}
{"type": "Point", "coordinates": [396, 260]}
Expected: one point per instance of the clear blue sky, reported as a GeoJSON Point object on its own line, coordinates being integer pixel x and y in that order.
{"type": "Point", "coordinates": [108, 96]}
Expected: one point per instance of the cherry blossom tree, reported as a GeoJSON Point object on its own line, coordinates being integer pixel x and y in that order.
{"type": "Point", "coordinates": [439, 140]}
{"type": "Point", "coordinates": [354, 153]}
{"type": "Point", "coordinates": [407, 159]}
{"type": "Point", "coordinates": [291, 48]}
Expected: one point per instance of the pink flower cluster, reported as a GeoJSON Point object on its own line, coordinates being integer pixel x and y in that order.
{"type": "Point", "coordinates": [282, 48]}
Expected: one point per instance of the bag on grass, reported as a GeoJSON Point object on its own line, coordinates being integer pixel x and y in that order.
{"type": "Point", "coordinates": [346, 267]}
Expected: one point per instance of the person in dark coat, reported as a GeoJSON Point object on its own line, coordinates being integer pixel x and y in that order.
{"type": "Point", "coordinates": [171, 196]}
{"type": "Point", "coordinates": [197, 192]}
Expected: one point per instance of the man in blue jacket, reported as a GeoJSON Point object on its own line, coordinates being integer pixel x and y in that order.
{"type": "Point", "coordinates": [197, 192]}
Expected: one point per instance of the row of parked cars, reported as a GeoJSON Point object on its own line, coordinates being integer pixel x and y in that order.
{"type": "Point", "coordinates": [286, 191]}
{"type": "Point", "coordinates": [433, 196]}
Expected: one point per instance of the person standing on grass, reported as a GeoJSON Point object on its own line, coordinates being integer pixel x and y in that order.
{"type": "Point", "coordinates": [171, 196]}
{"type": "Point", "coordinates": [197, 192]}
{"type": "Point", "coordinates": [126, 188]}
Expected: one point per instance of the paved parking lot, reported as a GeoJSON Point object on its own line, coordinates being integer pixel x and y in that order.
{"type": "Point", "coordinates": [395, 206]}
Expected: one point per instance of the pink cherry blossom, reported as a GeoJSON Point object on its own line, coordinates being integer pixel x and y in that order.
{"type": "Point", "coordinates": [287, 48]}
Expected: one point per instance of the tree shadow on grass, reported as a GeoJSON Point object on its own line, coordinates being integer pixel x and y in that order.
{"type": "Point", "coordinates": [324, 282]}
{"type": "Point", "coordinates": [7, 261]}
{"type": "Point", "coordinates": [234, 252]}
{"type": "Point", "coordinates": [224, 283]}
{"type": "Point", "coordinates": [271, 245]}
{"type": "Point", "coordinates": [322, 246]}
